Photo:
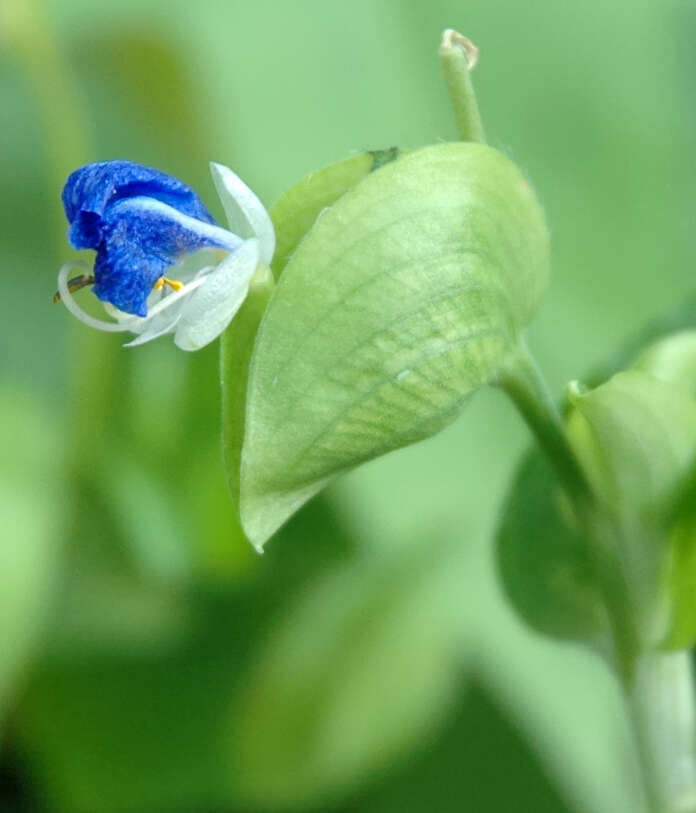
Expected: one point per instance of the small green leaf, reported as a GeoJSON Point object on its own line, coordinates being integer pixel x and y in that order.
{"type": "Point", "coordinates": [404, 298]}
{"type": "Point", "coordinates": [543, 560]}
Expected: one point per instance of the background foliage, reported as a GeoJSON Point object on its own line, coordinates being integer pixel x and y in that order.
{"type": "Point", "coordinates": [149, 660]}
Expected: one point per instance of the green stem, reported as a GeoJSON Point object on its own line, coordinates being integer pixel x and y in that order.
{"type": "Point", "coordinates": [458, 57]}
{"type": "Point", "coordinates": [236, 346]}
{"type": "Point", "coordinates": [663, 710]}
{"type": "Point", "coordinates": [523, 382]}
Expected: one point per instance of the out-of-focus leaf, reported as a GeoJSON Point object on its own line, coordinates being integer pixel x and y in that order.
{"type": "Point", "coordinates": [403, 299]}
{"type": "Point", "coordinates": [149, 521]}
{"type": "Point", "coordinates": [357, 671]}
{"type": "Point", "coordinates": [32, 517]}
{"type": "Point", "coordinates": [459, 767]}
{"type": "Point", "coordinates": [543, 561]}
{"type": "Point", "coordinates": [672, 359]}
{"type": "Point", "coordinates": [142, 721]}
{"type": "Point", "coordinates": [125, 733]}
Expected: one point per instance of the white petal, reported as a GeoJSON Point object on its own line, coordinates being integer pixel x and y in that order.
{"type": "Point", "coordinates": [210, 309]}
{"type": "Point", "coordinates": [246, 215]}
{"type": "Point", "coordinates": [164, 312]}
{"type": "Point", "coordinates": [146, 207]}
{"type": "Point", "coordinates": [157, 327]}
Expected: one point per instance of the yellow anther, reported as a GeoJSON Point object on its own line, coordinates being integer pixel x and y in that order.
{"type": "Point", "coordinates": [174, 284]}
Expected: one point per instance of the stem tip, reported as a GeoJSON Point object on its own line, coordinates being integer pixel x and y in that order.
{"type": "Point", "coordinates": [452, 40]}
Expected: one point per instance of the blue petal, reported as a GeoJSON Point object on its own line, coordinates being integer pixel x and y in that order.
{"type": "Point", "coordinates": [141, 238]}
{"type": "Point", "coordinates": [92, 189]}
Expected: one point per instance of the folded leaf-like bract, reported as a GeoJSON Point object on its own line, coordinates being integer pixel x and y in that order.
{"type": "Point", "coordinates": [403, 297]}
{"type": "Point", "coordinates": [635, 436]}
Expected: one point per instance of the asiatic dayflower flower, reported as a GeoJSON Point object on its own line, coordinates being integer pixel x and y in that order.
{"type": "Point", "coordinates": [141, 222]}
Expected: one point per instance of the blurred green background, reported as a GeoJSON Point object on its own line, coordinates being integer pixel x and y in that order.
{"type": "Point", "coordinates": [150, 662]}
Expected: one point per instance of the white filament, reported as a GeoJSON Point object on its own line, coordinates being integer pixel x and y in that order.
{"type": "Point", "coordinates": [68, 300]}
{"type": "Point", "coordinates": [133, 324]}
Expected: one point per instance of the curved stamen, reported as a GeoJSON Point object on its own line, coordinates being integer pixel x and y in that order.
{"type": "Point", "coordinates": [70, 303]}
{"type": "Point", "coordinates": [75, 284]}
{"type": "Point", "coordinates": [123, 325]}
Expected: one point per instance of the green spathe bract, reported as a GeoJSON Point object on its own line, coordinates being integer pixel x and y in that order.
{"type": "Point", "coordinates": [403, 298]}
{"type": "Point", "coordinates": [296, 211]}
{"type": "Point", "coordinates": [636, 437]}
{"type": "Point", "coordinates": [673, 359]}
{"type": "Point", "coordinates": [293, 216]}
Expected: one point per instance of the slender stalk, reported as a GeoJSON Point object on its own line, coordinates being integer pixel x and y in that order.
{"type": "Point", "coordinates": [236, 346]}
{"type": "Point", "coordinates": [458, 57]}
{"type": "Point", "coordinates": [522, 380]}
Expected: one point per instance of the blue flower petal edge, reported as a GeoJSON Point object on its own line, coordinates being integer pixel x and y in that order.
{"type": "Point", "coordinates": [140, 221]}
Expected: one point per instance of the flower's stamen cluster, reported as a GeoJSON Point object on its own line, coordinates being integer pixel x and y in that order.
{"type": "Point", "coordinates": [174, 284]}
